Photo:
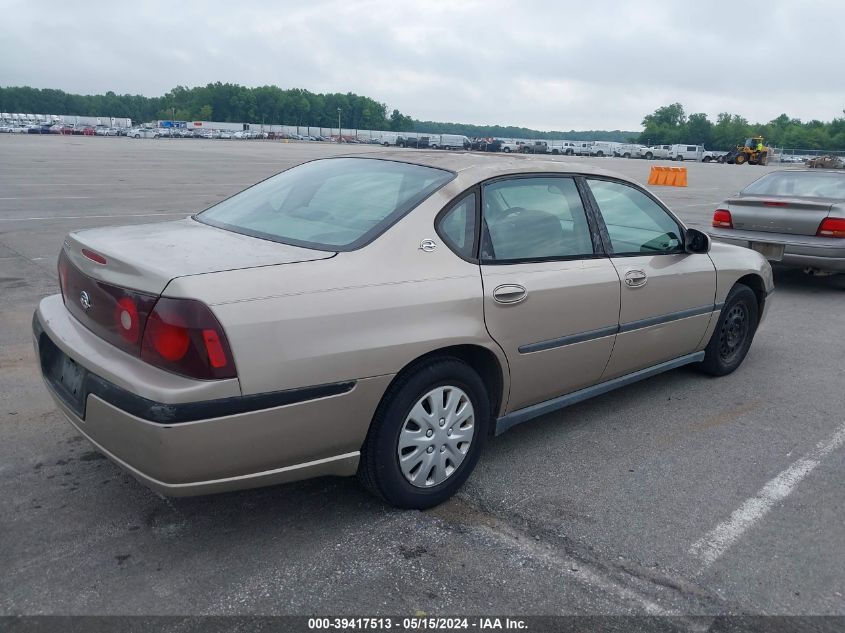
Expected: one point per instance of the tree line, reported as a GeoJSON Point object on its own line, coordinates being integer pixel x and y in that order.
{"type": "Point", "coordinates": [670, 124]}
{"type": "Point", "coordinates": [273, 105]}
{"type": "Point", "coordinates": [268, 104]}
{"type": "Point", "coordinates": [215, 102]}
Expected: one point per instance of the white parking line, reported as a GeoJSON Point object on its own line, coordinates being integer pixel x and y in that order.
{"type": "Point", "coordinates": [49, 198]}
{"type": "Point", "coordinates": [85, 217]}
{"type": "Point", "coordinates": [711, 547]}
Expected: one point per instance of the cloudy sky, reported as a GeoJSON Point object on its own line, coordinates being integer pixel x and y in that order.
{"type": "Point", "coordinates": [547, 65]}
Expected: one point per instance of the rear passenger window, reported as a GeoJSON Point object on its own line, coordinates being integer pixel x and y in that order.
{"type": "Point", "coordinates": [635, 222]}
{"type": "Point", "coordinates": [457, 227]}
{"type": "Point", "coordinates": [528, 219]}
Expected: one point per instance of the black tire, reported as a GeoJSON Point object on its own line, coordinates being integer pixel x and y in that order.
{"type": "Point", "coordinates": [379, 470]}
{"type": "Point", "coordinates": [507, 150]}
{"type": "Point", "coordinates": [734, 332]}
{"type": "Point", "coordinates": [600, 154]}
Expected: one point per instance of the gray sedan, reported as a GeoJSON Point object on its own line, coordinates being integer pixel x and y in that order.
{"type": "Point", "coordinates": [793, 217]}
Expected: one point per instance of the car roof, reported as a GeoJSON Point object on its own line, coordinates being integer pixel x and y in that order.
{"type": "Point", "coordinates": [810, 170]}
{"type": "Point", "coordinates": [473, 167]}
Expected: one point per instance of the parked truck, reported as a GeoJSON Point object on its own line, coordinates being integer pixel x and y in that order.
{"type": "Point", "coordinates": [567, 148]}
{"type": "Point", "coordinates": [534, 147]}
{"type": "Point", "coordinates": [603, 148]}
{"type": "Point", "coordinates": [628, 150]}
{"type": "Point", "coordinates": [656, 151]}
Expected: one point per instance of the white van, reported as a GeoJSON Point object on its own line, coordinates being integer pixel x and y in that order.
{"type": "Point", "coordinates": [686, 152]}
{"type": "Point", "coordinates": [449, 141]}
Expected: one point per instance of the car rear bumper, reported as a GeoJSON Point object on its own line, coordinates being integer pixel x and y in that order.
{"type": "Point", "coordinates": [799, 251]}
{"type": "Point", "coordinates": [200, 447]}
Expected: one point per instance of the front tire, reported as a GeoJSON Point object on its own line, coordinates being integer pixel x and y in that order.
{"type": "Point", "coordinates": [427, 435]}
{"type": "Point", "coordinates": [734, 332]}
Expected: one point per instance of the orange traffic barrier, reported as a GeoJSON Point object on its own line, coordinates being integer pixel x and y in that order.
{"type": "Point", "coordinates": [668, 176]}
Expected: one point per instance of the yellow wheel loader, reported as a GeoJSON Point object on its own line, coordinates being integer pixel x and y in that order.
{"type": "Point", "coordinates": [749, 153]}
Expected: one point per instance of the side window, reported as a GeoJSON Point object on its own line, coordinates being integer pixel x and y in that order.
{"type": "Point", "coordinates": [533, 218]}
{"type": "Point", "coordinates": [457, 227]}
{"type": "Point", "coordinates": [635, 222]}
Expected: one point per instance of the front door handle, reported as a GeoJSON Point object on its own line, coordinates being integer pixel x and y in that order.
{"type": "Point", "coordinates": [635, 278]}
{"type": "Point", "coordinates": [509, 293]}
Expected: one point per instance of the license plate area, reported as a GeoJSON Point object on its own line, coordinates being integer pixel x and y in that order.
{"type": "Point", "coordinates": [64, 375]}
{"type": "Point", "coordinates": [772, 252]}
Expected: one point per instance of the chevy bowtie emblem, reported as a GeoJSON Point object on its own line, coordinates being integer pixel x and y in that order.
{"type": "Point", "coordinates": [84, 300]}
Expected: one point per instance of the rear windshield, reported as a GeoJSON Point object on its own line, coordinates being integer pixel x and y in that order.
{"type": "Point", "coordinates": [801, 184]}
{"type": "Point", "coordinates": [333, 204]}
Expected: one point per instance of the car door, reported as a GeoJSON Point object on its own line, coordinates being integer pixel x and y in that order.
{"type": "Point", "coordinates": [551, 300]}
{"type": "Point", "coordinates": [667, 294]}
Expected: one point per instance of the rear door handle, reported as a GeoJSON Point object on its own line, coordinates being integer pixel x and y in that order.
{"type": "Point", "coordinates": [509, 293]}
{"type": "Point", "coordinates": [635, 278]}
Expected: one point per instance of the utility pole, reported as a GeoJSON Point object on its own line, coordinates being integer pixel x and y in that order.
{"type": "Point", "coordinates": [339, 135]}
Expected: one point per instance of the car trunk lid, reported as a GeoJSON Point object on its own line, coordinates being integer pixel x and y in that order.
{"type": "Point", "coordinates": [111, 278]}
{"type": "Point", "coordinates": [778, 214]}
{"type": "Point", "coordinates": [147, 257]}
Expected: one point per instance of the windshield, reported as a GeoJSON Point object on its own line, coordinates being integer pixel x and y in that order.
{"type": "Point", "coordinates": [330, 204]}
{"type": "Point", "coordinates": [801, 184]}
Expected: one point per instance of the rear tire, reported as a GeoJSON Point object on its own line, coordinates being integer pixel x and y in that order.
{"type": "Point", "coordinates": [401, 427]}
{"type": "Point", "coordinates": [734, 332]}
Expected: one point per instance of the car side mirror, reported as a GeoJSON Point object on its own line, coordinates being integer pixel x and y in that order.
{"type": "Point", "coordinates": [696, 242]}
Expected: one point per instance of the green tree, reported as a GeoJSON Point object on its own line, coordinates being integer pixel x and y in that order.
{"type": "Point", "coordinates": [698, 130]}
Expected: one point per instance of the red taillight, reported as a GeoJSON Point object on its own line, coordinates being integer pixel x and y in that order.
{"type": "Point", "coordinates": [722, 219]}
{"type": "Point", "coordinates": [94, 257]}
{"type": "Point", "coordinates": [832, 227]}
{"type": "Point", "coordinates": [126, 319]}
{"type": "Point", "coordinates": [169, 338]}
{"type": "Point", "coordinates": [769, 203]}
{"type": "Point", "coordinates": [214, 348]}
{"type": "Point", "coordinates": [183, 336]}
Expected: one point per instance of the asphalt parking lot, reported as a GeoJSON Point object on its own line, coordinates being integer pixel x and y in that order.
{"type": "Point", "coordinates": [678, 495]}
